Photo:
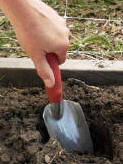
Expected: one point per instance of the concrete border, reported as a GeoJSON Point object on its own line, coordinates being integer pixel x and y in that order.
{"type": "Point", "coordinates": [21, 72]}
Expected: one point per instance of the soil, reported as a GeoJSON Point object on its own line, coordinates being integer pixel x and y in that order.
{"type": "Point", "coordinates": [24, 138]}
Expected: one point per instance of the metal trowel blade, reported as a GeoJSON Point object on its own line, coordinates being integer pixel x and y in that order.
{"type": "Point", "coordinates": [66, 123]}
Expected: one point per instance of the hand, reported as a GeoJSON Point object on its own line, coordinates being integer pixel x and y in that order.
{"type": "Point", "coordinates": [40, 30]}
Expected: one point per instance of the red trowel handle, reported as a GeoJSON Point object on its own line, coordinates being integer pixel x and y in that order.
{"type": "Point", "coordinates": [55, 93]}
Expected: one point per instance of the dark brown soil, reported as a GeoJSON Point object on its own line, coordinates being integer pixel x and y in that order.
{"type": "Point", "coordinates": [24, 138]}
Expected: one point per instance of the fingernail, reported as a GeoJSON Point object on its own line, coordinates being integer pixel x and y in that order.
{"type": "Point", "coordinates": [48, 83]}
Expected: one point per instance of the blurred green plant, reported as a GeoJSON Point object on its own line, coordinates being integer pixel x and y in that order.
{"type": "Point", "coordinates": [4, 22]}
{"type": "Point", "coordinates": [88, 35]}
{"type": "Point", "coordinates": [98, 39]}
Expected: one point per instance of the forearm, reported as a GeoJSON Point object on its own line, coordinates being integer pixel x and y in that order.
{"type": "Point", "coordinates": [13, 7]}
{"type": "Point", "coordinates": [11, 3]}
{"type": "Point", "coordinates": [18, 10]}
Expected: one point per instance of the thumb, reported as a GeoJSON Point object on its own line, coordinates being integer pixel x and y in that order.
{"type": "Point", "coordinates": [44, 71]}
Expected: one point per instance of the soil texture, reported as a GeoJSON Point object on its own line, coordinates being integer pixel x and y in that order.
{"type": "Point", "coordinates": [25, 140]}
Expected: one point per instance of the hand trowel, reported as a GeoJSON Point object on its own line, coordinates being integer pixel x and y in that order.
{"type": "Point", "coordinates": [64, 119]}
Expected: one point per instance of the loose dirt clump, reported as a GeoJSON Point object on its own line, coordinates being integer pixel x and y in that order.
{"type": "Point", "coordinates": [24, 138]}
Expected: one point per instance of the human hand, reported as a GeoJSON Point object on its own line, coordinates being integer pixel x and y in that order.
{"type": "Point", "coordinates": [40, 30]}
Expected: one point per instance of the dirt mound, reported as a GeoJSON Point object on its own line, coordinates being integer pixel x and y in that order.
{"type": "Point", "coordinates": [24, 138]}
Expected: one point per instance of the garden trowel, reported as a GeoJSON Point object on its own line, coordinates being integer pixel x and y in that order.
{"type": "Point", "coordinates": [65, 119]}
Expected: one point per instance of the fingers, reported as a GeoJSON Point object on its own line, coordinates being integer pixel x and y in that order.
{"type": "Point", "coordinates": [62, 52]}
{"type": "Point", "coordinates": [44, 71]}
{"type": "Point", "coordinates": [62, 55]}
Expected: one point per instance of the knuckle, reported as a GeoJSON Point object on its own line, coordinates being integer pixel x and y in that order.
{"type": "Point", "coordinates": [68, 30]}
{"type": "Point", "coordinates": [66, 44]}
{"type": "Point", "coordinates": [63, 20]}
{"type": "Point", "coordinates": [64, 58]}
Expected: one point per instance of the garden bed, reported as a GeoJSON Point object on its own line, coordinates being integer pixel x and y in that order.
{"type": "Point", "coordinates": [24, 138]}
{"type": "Point", "coordinates": [21, 72]}
{"type": "Point", "coordinates": [99, 90]}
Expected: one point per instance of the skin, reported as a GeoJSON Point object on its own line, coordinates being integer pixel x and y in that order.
{"type": "Point", "coordinates": [39, 30]}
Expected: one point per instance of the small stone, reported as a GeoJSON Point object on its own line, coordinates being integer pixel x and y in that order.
{"type": "Point", "coordinates": [2, 149]}
{"type": "Point", "coordinates": [5, 158]}
{"type": "Point", "coordinates": [34, 148]}
{"type": "Point", "coordinates": [47, 159]}
{"type": "Point", "coordinates": [30, 136]}
{"type": "Point", "coordinates": [62, 152]}
{"type": "Point", "coordinates": [54, 142]}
